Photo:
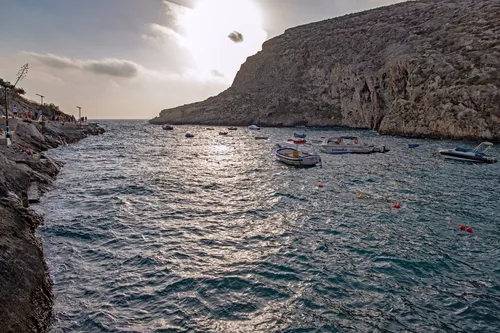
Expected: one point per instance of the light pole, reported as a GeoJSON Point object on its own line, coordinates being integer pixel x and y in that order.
{"type": "Point", "coordinates": [79, 115]}
{"type": "Point", "coordinates": [41, 104]}
{"type": "Point", "coordinates": [7, 87]}
{"type": "Point", "coordinates": [41, 99]}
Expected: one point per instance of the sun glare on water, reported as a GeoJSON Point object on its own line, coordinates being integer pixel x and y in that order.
{"type": "Point", "coordinates": [207, 28]}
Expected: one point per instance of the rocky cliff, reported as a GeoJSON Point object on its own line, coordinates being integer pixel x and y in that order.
{"type": "Point", "coordinates": [420, 68]}
{"type": "Point", "coordinates": [25, 173]}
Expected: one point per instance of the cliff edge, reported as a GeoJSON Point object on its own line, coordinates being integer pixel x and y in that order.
{"type": "Point", "coordinates": [419, 68]}
{"type": "Point", "coordinates": [25, 174]}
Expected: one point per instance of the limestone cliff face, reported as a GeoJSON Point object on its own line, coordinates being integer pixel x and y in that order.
{"type": "Point", "coordinates": [419, 68]}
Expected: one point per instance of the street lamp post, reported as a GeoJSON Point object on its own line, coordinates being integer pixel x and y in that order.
{"type": "Point", "coordinates": [79, 115]}
{"type": "Point", "coordinates": [41, 99]}
{"type": "Point", "coordinates": [6, 88]}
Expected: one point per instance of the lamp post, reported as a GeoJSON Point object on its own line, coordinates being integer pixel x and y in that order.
{"type": "Point", "coordinates": [80, 115]}
{"type": "Point", "coordinates": [41, 105]}
{"type": "Point", "coordinates": [6, 86]}
{"type": "Point", "coordinates": [41, 99]}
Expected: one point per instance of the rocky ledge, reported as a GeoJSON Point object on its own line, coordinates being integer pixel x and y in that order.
{"type": "Point", "coordinates": [419, 68]}
{"type": "Point", "coordinates": [25, 173]}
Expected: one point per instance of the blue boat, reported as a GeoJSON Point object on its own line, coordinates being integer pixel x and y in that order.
{"type": "Point", "coordinates": [189, 135]}
{"type": "Point", "coordinates": [299, 135]}
{"type": "Point", "coordinates": [413, 145]}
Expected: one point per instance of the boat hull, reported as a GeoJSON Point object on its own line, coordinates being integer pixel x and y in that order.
{"type": "Point", "coordinates": [340, 150]}
{"type": "Point", "coordinates": [465, 157]}
{"type": "Point", "coordinates": [302, 160]}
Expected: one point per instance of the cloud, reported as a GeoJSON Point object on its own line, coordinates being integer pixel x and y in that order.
{"type": "Point", "coordinates": [157, 32]}
{"type": "Point", "coordinates": [235, 36]}
{"type": "Point", "coordinates": [108, 66]}
{"type": "Point", "coordinates": [53, 60]}
{"type": "Point", "coordinates": [113, 67]}
{"type": "Point", "coordinates": [216, 73]}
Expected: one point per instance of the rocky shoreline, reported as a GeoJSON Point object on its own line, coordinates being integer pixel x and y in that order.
{"type": "Point", "coordinates": [417, 68]}
{"type": "Point", "coordinates": [26, 297]}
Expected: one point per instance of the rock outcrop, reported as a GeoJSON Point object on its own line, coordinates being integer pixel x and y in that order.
{"type": "Point", "coordinates": [419, 68]}
{"type": "Point", "coordinates": [25, 286]}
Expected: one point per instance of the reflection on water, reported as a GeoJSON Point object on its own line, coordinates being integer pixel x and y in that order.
{"type": "Point", "coordinates": [149, 231]}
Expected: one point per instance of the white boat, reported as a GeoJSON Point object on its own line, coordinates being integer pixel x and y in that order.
{"type": "Point", "coordinates": [477, 155]}
{"type": "Point", "coordinates": [349, 145]}
{"type": "Point", "coordinates": [254, 127]}
{"type": "Point", "coordinates": [167, 127]}
{"type": "Point", "coordinates": [294, 157]}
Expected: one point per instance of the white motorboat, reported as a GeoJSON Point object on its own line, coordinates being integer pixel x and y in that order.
{"type": "Point", "coordinates": [349, 145]}
{"type": "Point", "coordinates": [476, 155]}
{"type": "Point", "coordinates": [294, 157]}
{"type": "Point", "coordinates": [254, 127]}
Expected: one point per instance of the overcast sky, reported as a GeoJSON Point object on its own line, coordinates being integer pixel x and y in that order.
{"type": "Point", "coordinates": [133, 58]}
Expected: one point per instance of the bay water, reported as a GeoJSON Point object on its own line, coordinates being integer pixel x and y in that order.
{"type": "Point", "coordinates": [148, 231]}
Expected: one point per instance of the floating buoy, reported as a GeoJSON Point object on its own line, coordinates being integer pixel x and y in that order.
{"type": "Point", "coordinates": [469, 229]}
{"type": "Point", "coordinates": [397, 206]}
{"type": "Point", "coordinates": [320, 185]}
{"type": "Point", "coordinates": [361, 196]}
{"type": "Point", "coordinates": [462, 227]}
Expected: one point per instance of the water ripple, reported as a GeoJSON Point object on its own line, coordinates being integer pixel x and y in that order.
{"type": "Point", "coordinates": [147, 231]}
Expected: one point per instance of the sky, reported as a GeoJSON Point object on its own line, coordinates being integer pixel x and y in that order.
{"type": "Point", "coordinates": [129, 59]}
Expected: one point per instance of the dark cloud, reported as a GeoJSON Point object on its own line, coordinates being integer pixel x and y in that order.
{"type": "Point", "coordinates": [111, 67]}
{"type": "Point", "coordinates": [235, 36]}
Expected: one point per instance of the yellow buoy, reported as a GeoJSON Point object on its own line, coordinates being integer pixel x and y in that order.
{"type": "Point", "coordinates": [361, 196]}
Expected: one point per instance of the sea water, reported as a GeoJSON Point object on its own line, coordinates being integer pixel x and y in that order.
{"type": "Point", "coordinates": [148, 231]}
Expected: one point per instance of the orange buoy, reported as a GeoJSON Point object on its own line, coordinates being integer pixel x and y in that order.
{"type": "Point", "coordinates": [397, 206]}
{"type": "Point", "coordinates": [469, 229]}
{"type": "Point", "coordinates": [462, 227]}
{"type": "Point", "coordinates": [320, 185]}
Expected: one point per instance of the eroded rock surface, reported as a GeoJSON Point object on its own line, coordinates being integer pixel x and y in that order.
{"type": "Point", "coordinates": [25, 286]}
{"type": "Point", "coordinates": [419, 68]}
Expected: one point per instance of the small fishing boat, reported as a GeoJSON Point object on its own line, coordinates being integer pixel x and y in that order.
{"type": "Point", "coordinates": [299, 135]}
{"type": "Point", "coordinates": [476, 155]}
{"type": "Point", "coordinates": [413, 145]}
{"type": "Point", "coordinates": [189, 135]}
{"type": "Point", "coordinates": [261, 138]}
{"type": "Point", "coordinates": [167, 127]}
{"type": "Point", "coordinates": [223, 133]}
{"type": "Point", "coordinates": [294, 157]}
{"type": "Point", "coordinates": [209, 128]}
{"type": "Point", "coordinates": [232, 128]}
{"type": "Point", "coordinates": [253, 127]}
{"type": "Point", "coordinates": [349, 145]}
{"type": "Point", "coordinates": [298, 141]}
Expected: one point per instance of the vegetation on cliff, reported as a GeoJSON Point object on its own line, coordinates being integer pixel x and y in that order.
{"type": "Point", "coordinates": [418, 68]}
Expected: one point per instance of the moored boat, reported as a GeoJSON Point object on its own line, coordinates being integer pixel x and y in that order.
{"type": "Point", "coordinates": [222, 133]}
{"type": "Point", "coordinates": [299, 135]}
{"type": "Point", "coordinates": [349, 145]}
{"type": "Point", "coordinates": [167, 127]}
{"type": "Point", "coordinates": [189, 135]}
{"type": "Point", "coordinates": [294, 157]}
{"type": "Point", "coordinates": [254, 127]}
{"type": "Point", "coordinates": [232, 128]}
{"type": "Point", "coordinates": [476, 155]}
